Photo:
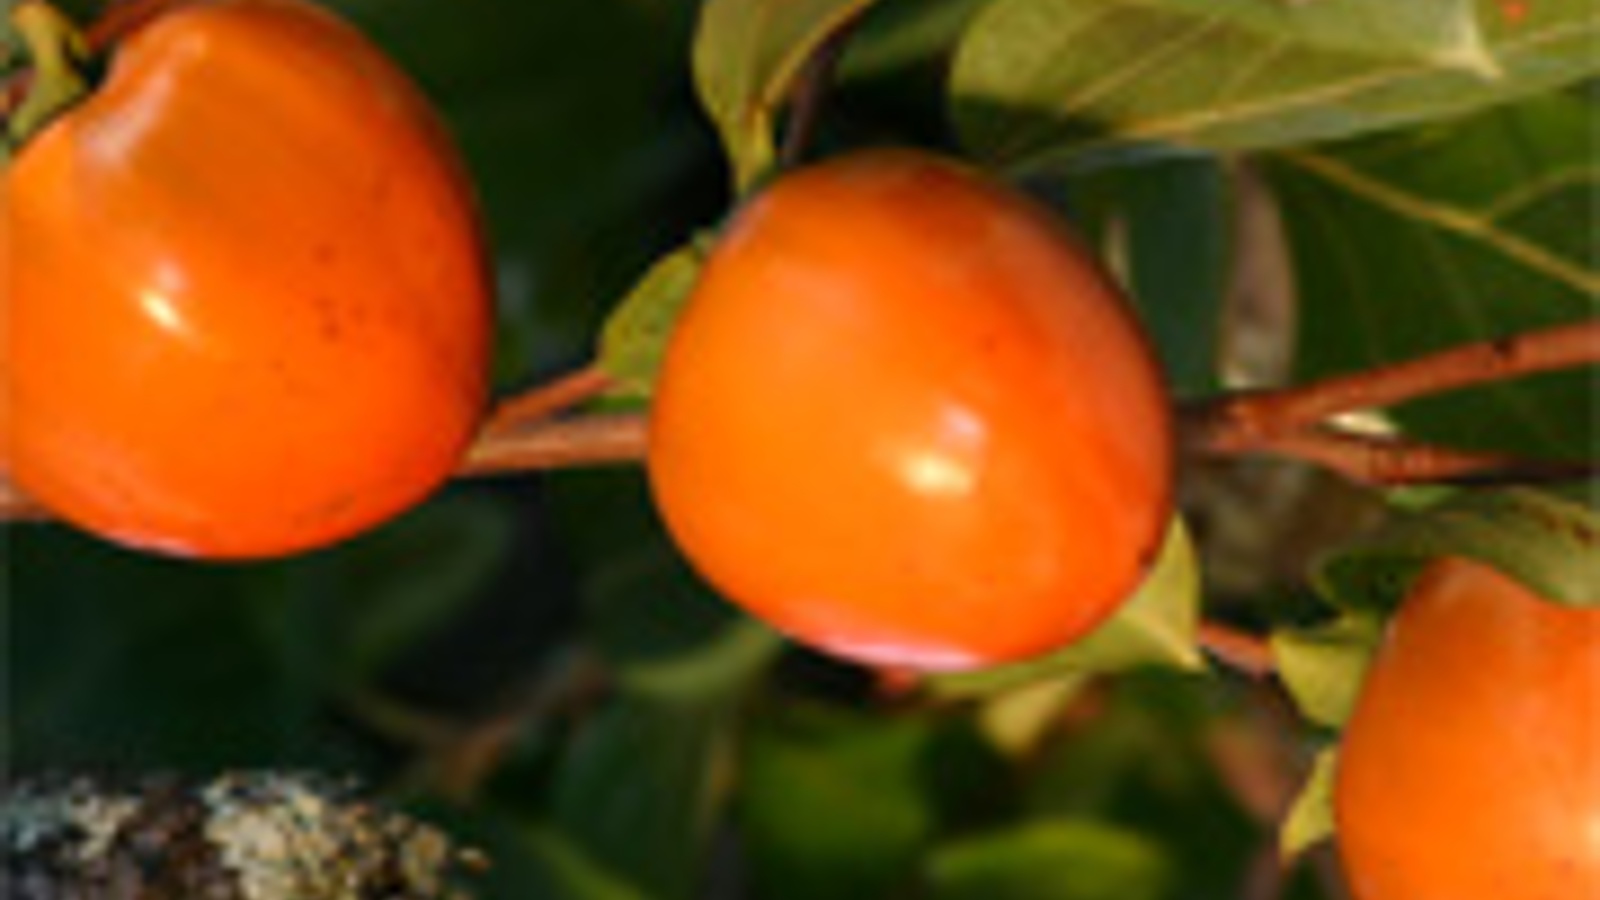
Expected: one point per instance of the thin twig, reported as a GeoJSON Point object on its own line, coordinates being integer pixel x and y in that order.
{"type": "Point", "coordinates": [809, 91]}
{"type": "Point", "coordinates": [1387, 461]}
{"type": "Point", "coordinates": [1243, 422]}
{"type": "Point", "coordinates": [522, 436]}
{"type": "Point", "coordinates": [1247, 653]}
{"type": "Point", "coordinates": [547, 399]}
{"type": "Point", "coordinates": [609, 438]}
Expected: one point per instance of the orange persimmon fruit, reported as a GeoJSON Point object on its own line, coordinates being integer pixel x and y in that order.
{"type": "Point", "coordinates": [246, 305]}
{"type": "Point", "coordinates": [1470, 769]}
{"type": "Point", "coordinates": [906, 418]}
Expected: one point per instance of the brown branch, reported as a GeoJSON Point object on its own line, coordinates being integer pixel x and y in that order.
{"type": "Point", "coordinates": [1253, 420]}
{"type": "Point", "coordinates": [521, 436]}
{"type": "Point", "coordinates": [1240, 650]}
{"type": "Point", "coordinates": [809, 91]}
{"type": "Point", "coordinates": [1386, 461]}
{"type": "Point", "coordinates": [546, 399]}
{"type": "Point", "coordinates": [599, 439]}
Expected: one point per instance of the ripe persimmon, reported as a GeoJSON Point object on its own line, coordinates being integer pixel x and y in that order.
{"type": "Point", "coordinates": [1470, 769]}
{"type": "Point", "coordinates": [246, 304]}
{"type": "Point", "coordinates": [907, 419]}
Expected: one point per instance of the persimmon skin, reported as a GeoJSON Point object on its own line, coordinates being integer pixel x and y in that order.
{"type": "Point", "coordinates": [907, 420]}
{"type": "Point", "coordinates": [247, 306]}
{"type": "Point", "coordinates": [1470, 769]}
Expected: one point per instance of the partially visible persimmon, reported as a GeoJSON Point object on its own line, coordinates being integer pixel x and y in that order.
{"type": "Point", "coordinates": [908, 420]}
{"type": "Point", "coordinates": [246, 305]}
{"type": "Point", "coordinates": [1470, 769]}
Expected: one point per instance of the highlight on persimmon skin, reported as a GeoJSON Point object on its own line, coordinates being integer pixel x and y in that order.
{"type": "Point", "coordinates": [1470, 769]}
{"type": "Point", "coordinates": [247, 307]}
{"type": "Point", "coordinates": [905, 418]}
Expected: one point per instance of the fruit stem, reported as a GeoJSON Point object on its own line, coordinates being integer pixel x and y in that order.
{"type": "Point", "coordinates": [810, 90]}
{"type": "Point", "coordinates": [547, 399]}
{"type": "Point", "coordinates": [585, 440]}
{"type": "Point", "coordinates": [57, 50]}
{"type": "Point", "coordinates": [1247, 653]}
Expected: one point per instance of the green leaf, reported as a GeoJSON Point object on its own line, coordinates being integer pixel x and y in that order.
{"type": "Point", "coordinates": [573, 873]}
{"type": "Point", "coordinates": [579, 134]}
{"type": "Point", "coordinates": [1440, 32]}
{"type": "Point", "coordinates": [1310, 817]}
{"type": "Point", "coordinates": [1050, 859]}
{"type": "Point", "coordinates": [905, 34]}
{"type": "Point", "coordinates": [641, 787]}
{"type": "Point", "coordinates": [1155, 627]}
{"type": "Point", "coordinates": [841, 804]}
{"type": "Point", "coordinates": [123, 660]}
{"type": "Point", "coordinates": [1016, 721]}
{"type": "Point", "coordinates": [1041, 84]}
{"type": "Point", "coordinates": [1169, 230]}
{"type": "Point", "coordinates": [747, 55]}
{"type": "Point", "coordinates": [1549, 543]}
{"type": "Point", "coordinates": [1458, 232]}
{"type": "Point", "coordinates": [666, 635]}
{"type": "Point", "coordinates": [1323, 667]}
{"type": "Point", "coordinates": [398, 584]}
{"type": "Point", "coordinates": [57, 51]}
{"type": "Point", "coordinates": [635, 336]}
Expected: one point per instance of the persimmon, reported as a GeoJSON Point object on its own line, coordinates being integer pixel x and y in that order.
{"type": "Point", "coordinates": [905, 418]}
{"type": "Point", "coordinates": [247, 307]}
{"type": "Point", "coordinates": [1470, 769]}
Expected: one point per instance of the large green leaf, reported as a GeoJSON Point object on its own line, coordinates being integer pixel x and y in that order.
{"type": "Point", "coordinates": [1165, 229]}
{"type": "Point", "coordinates": [579, 128]}
{"type": "Point", "coordinates": [1051, 859]}
{"type": "Point", "coordinates": [1462, 231]}
{"type": "Point", "coordinates": [1550, 543]}
{"type": "Point", "coordinates": [1046, 83]}
{"type": "Point", "coordinates": [1441, 32]}
{"type": "Point", "coordinates": [747, 55]}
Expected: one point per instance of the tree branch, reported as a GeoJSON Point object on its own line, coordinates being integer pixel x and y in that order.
{"type": "Point", "coordinates": [1386, 461]}
{"type": "Point", "coordinates": [1247, 653]}
{"type": "Point", "coordinates": [810, 90]}
{"type": "Point", "coordinates": [522, 434]}
{"type": "Point", "coordinates": [598, 439]}
{"type": "Point", "coordinates": [1255, 420]}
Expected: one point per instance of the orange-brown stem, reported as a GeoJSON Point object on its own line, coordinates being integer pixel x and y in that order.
{"type": "Point", "coordinates": [1255, 420]}
{"type": "Point", "coordinates": [1242, 651]}
{"type": "Point", "coordinates": [580, 441]}
{"type": "Point", "coordinates": [809, 91]}
{"type": "Point", "coordinates": [1385, 461]}
{"type": "Point", "coordinates": [522, 437]}
{"type": "Point", "coordinates": [547, 399]}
